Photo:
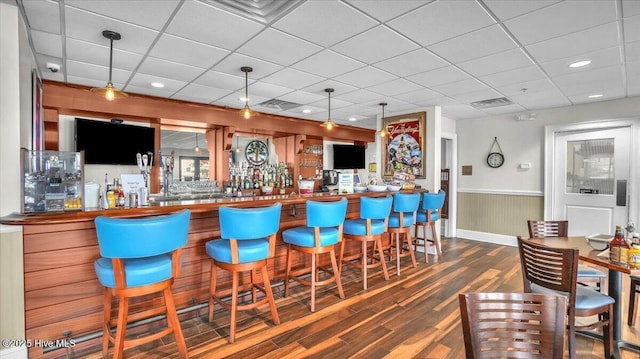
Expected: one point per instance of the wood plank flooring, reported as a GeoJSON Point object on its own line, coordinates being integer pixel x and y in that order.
{"type": "Point", "coordinates": [415, 315]}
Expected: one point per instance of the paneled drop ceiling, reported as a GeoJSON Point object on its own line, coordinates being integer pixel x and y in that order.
{"type": "Point", "coordinates": [409, 54]}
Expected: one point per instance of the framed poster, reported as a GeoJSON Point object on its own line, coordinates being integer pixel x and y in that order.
{"type": "Point", "coordinates": [404, 147]}
{"type": "Point", "coordinates": [37, 122]}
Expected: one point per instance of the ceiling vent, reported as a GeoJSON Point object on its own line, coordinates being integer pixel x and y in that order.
{"type": "Point", "coordinates": [494, 102]}
{"type": "Point", "coordinates": [279, 104]}
{"type": "Point", "coordinates": [265, 11]}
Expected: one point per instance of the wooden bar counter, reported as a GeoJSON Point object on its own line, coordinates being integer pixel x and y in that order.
{"type": "Point", "coordinates": [63, 298]}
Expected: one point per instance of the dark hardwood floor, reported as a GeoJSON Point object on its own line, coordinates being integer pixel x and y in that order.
{"type": "Point", "coordinates": [414, 315]}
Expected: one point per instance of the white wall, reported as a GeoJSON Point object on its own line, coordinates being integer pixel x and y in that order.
{"type": "Point", "coordinates": [523, 142]}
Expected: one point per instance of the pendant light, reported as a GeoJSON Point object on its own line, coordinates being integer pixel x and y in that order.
{"type": "Point", "coordinates": [197, 149]}
{"type": "Point", "coordinates": [246, 111]}
{"type": "Point", "coordinates": [329, 124]}
{"type": "Point", "coordinates": [237, 144]}
{"type": "Point", "coordinates": [110, 92]}
{"type": "Point", "coordinates": [383, 131]}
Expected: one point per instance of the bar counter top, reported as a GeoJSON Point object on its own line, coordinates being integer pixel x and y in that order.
{"type": "Point", "coordinates": [165, 207]}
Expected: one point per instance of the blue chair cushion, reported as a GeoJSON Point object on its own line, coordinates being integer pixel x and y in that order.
{"type": "Point", "coordinates": [586, 297]}
{"type": "Point", "coordinates": [358, 227]}
{"type": "Point", "coordinates": [394, 220]}
{"type": "Point", "coordinates": [138, 271]}
{"type": "Point", "coordinates": [422, 216]}
{"type": "Point", "coordinates": [249, 250]}
{"type": "Point", "coordinates": [589, 272]}
{"type": "Point", "coordinates": [305, 237]}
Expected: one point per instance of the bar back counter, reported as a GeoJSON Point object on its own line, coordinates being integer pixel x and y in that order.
{"type": "Point", "coordinates": [63, 298]}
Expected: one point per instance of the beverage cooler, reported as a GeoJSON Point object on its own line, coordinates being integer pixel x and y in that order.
{"type": "Point", "coordinates": [52, 181]}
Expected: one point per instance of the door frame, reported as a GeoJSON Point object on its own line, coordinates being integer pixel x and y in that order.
{"type": "Point", "coordinates": [633, 194]}
{"type": "Point", "coordinates": [452, 163]}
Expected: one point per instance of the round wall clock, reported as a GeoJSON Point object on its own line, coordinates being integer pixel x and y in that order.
{"type": "Point", "coordinates": [256, 152]}
{"type": "Point", "coordinates": [495, 159]}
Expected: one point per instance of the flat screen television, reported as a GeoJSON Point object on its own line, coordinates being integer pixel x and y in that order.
{"type": "Point", "coordinates": [111, 143]}
{"type": "Point", "coordinates": [348, 157]}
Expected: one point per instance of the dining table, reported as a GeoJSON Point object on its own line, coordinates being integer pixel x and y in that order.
{"type": "Point", "coordinates": [615, 271]}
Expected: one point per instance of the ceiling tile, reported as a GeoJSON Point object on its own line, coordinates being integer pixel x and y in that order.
{"type": "Point", "coordinates": [268, 90]}
{"type": "Point", "coordinates": [441, 20]}
{"type": "Point", "coordinates": [365, 77]}
{"type": "Point", "coordinates": [361, 96]}
{"type": "Point", "coordinates": [411, 63]}
{"type": "Point", "coordinates": [504, 61]}
{"type": "Point", "coordinates": [462, 111]}
{"type": "Point", "coordinates": [222, 80]}
{"type": "Point", "coordinates": [232, 64]}
{"type": "Point", "coordinates": [131, 12]}
{"type": "Point", "coordinates": [199, 93]}
{"type": "Point", "coordinates": [375, 45]}
{"type": "Point", "coordinates": [608, 94]}
{"type": "Point", "coordinates": [213, 26]}
{"type": "Point", "coordinates": [303, 97]}
{"type": "Point", "coordinates": [292, 78]}
{"type": "Point", "coordinates": [236, 99]}
{"type": "Point", "coordinates": [502, 110]}
{"type": "Point", "coordinates": [386, 10]}
{"type": "Point", "coordinates": [541, 100]}
{"type": "Point", "coordinates": [630, 7]}
{"type": "Point", "coordinates": [438, 76]}
{"type": "Point", "coordinates": [47, 43]}
{"type": "Point", "coordinates": [324, 22]}
{"type": "Point", "coordinates": [144, 81]}
{"type": "Point", "coordinates": [134, 38]}
{"type": "Point", "coordinates": [551, 22]}
{"type": "Point", "coordinates": [418, 96]}
{"type": "Point", "coordinates": [601, 58]}
{"type": "Point", "coordinates": [586, 41]}
{"type": "Point", "coordinates": [594, 81]}
{"type": "Point", "coordinates": [472, 45]}
{"type": "Point", "coordinates": [633, 78]}
{"type": "Point", "coordinates": [523, 87]}
{"type": "Point", "coordinates": [81, 80]}
{"type": "Point", "coordinates": [632, 51]}
{"type": "Point", "coordinates": [460, 87]}
{"type": "Point", "coordinates": [187, 51]}
{"type": "Point", "coordinates": [160, 68]}
{"type": "Point", "coordinates": [632, 28]}
{"type": "Point", "coordinates": [505, 10]}
{"type": "Point", "coordinates": [278, 47]}
{"type": "Point", "coordinates": [82, 51]}
{"type": "Point", "coordinates": [395, 87]}
{"type": "Point", "coordinates": [515, 76]}
{"type": "Point", "coordinates": [473, 96]}
{"type": "Point", "coordinates": [95, 72]}
{"type": "Point", "coordinates": [43, 15]}
{"type": "Point", "coordinates": [328, 64]}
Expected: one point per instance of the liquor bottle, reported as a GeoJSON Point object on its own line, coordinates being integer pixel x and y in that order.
{"type": "Point", "coordinates": [619, 248]}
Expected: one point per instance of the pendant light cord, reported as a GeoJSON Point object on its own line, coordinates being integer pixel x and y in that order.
{"type": "Point", "coordinates": [110, 58]}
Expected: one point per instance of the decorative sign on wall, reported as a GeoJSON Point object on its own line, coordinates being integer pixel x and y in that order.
{"type": "Point", "coordinates": [404, 148]}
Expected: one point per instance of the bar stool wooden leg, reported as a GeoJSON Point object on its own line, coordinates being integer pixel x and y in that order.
{"type": "Point", "coordinates": [123, 313]}
{"type": "Point", "coordinates": [383, 263]}
{"type": "Point", "coordinates": [254, 293]}
{"type": "Point", "coordinates": [106, 330]}
{"type": "Point", "coordinates": [364, 264]}
{"type": "Point", "coordinates": [234, 307]}
{"type": "Point", "coordinates": [412, 254]}
{"type": "Point", "coordinates": [269, 293]}
{"type": "Point", "coordinates": [288, 271]}
{"type": "Point", "coordinates": [313, 282]}
{"type": "Point", "coordinates": [174, 322]}
{"type": "Point", "coordinates": [212, 290]}
{"type": "Point", "coordinates": [436, 240]}
{"type": "Point", "coordinates": [336, 272]}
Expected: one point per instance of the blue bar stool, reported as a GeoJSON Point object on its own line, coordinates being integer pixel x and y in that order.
{"type": "Point", "coordinates": [322, 233]}
{"type": "Point", "coordinates": [373, 221]}
{"type": "Point", "coordinates": [428, 215]}
{"type": "Point", "coordinates": [140, 256]}
{"type": "Point", "coordinates": [401, 219]}
{"type": "Point", "coordinates": [248, 240]}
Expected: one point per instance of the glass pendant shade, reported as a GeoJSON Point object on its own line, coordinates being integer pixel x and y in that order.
{"type": "Point", "coordinates": [109, 91]}
{"type": "Point", "coordinates": [197, 149]}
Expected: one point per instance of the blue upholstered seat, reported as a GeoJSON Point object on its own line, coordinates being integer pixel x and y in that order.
{"type": "Point", "coordinates": [428, 215]}
{"type": "Point", "coordinates": [323, 231]}
{"type": "Point", "coordinates": [140, 256]}
{"type": "Point", "coordinates": [586, 297]}
{"type": "Point", "coordinates": [247, 240]}
{"type": "Point", "coordinates": [373, 222]}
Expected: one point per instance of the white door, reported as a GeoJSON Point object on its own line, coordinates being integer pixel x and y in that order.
{"type": "Point", "coordinates": [591, 179]}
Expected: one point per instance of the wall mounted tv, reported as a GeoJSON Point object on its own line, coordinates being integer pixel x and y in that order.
{"type": "Point", "coordinates": [112, 143]}
{"type": "Point", "coordinates": [348, 157]}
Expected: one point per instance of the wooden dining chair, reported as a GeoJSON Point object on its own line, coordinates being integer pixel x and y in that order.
{"type": "Point", "coordinates": [542, 229]}
{"type": "Point", "coordinates": [549, 270]}
{"type": "Point", "coordinates": [514, 325]}
{"type": "Point", "coordinates": [634, 291]}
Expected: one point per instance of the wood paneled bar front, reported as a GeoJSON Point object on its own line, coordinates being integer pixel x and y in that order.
{"type": "Point", "coordinates": [63, 298]}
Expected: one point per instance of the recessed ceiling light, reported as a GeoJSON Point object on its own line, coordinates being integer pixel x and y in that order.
{"type": "Point", "coordinates": [157, 85]}
{"type": "Point", "coordinates": [306, 110]}
{"type": "Point", "coordinates": [595, 95]}
{"type": "Point", "coordinates": [352, 119]}
{"type": "Point", "coordinates": [244, 99]}
{"type": "Point", "coordinates": [580, 63]}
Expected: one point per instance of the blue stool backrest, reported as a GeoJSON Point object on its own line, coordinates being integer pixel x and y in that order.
{"type": "Point", "coordinates": [326, 214]}
{"type": "Point", "coordinates": [142, 237]}
{"type": "Point", "coordinates": [249, 223]}
{"type": "Point", "coordinates": [433, 201]}
{"type": "Point", "coordinates": [406, 202]}
{"type": "Point", "coordinates": [375, 208]}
